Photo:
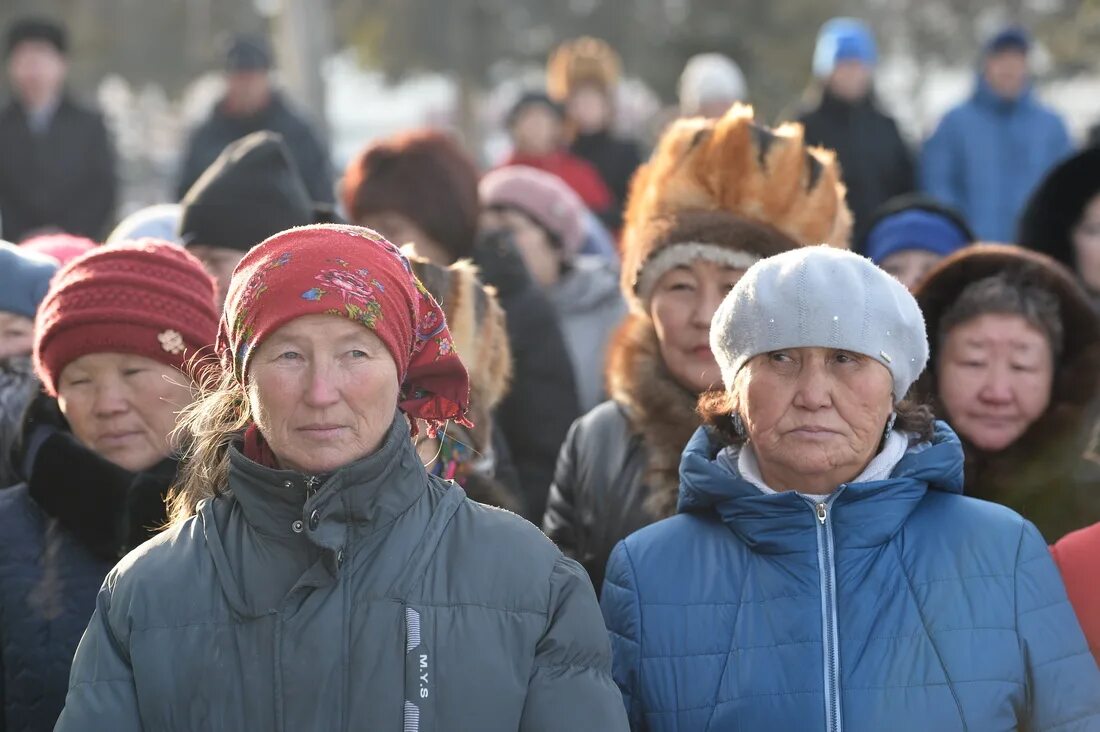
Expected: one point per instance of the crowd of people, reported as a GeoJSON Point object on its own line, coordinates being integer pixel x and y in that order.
{"type": "Point", "coordinates": [776, 427]}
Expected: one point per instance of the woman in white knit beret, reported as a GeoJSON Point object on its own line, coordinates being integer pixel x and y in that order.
{"type": "Point", "coordinates": [824, 571]}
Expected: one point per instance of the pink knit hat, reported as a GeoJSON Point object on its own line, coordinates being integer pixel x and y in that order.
{"type": "Point", "coordinates": [542, 196]}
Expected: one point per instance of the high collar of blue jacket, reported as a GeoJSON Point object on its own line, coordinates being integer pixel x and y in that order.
{"type": "Point", "coordinates": [986, 97]}
{"type": "Point", "coordinates": [371, 490]}
{"type": "Point", "coordinates": [862, 514]}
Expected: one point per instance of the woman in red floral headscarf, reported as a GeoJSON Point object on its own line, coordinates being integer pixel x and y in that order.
{"type": "Point", "coordinates": [315, 575]}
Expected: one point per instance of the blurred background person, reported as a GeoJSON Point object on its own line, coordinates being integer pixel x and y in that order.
{"type": "Point", "coordinates": [421, 189]}
{"type": "Point", "coordinates": [57, 164]}
{"type": "Point", "coordinates": [1077, 555]}
{"type": "Point", "coordinates": [251, 104]}
{"type": "Point", "coordinates": [989, 153]}
{"type": "Point", "coordinates": [546, 221]}
{"type": "Point", "coordinates": [1062, 219]}
{"type": "Point", "coordinates": [24, 279]}
{"type": "Point", "coordinates": [159, 221]}
{"type": "Point", "coordinates": [62, 247]}
{"type": "Point", "coordinates": [710, 84]}
{"type": "Point", "coordinates": [911, 234]}
{"type": "Point", "coordinates": [847, 119]}
{"type": "Point", "coordinates": [115, 338]}
{"type": "Point", "coordinates": [251, 191]}
{"type": "Point", "coordinates": [583, 75]}
{"type": "Point", "coordinates": [1014, 370]}
{"type": "Point", "coordinates": [619, 467]}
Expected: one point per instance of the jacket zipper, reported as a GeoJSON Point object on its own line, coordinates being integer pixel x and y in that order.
{"type": "Point", "coordinates": [829, 636]}
{"type": "Point", "coordinates": [311, 485]}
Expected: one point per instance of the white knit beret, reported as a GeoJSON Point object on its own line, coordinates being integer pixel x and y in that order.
{"type": "Point", "coordinates": [821, 297]}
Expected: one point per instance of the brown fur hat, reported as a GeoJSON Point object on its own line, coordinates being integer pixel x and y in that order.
{"type": "Point", "coordinates": [579, 62]}
{"type": "Point", "coordinates": [773, 192]}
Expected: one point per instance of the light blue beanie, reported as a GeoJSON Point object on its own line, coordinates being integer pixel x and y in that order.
{"type": "Point", "coordinates": [24, 279]}
{"type": "Point", "coordinates": [843, 39]}
{"type": "Point", "coordinates": [821, 297]}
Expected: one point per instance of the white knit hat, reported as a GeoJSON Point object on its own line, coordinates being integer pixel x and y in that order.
{"type": "Point", "coordinates": [708, 78]}
{"type": "Point", "coordinates": [821, 297]}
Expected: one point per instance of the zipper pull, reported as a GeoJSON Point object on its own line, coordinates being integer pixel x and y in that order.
{"type": "Point", "coordinates": [822, 513]}
{"type": "Point", "coordinates": [311, 484]}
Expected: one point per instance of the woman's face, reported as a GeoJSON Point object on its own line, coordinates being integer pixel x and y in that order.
{"type": "Point", "coordinates": [814, 416]}
{"type": "Point", "coordinates": [590, 109]}
{"type": "Point", "coordinates": [537, 130]}
{"type": "Point", "coordinates": [1086, 245]}
{"type": "Point", "coordinates": [909, 266]}
{"type": "Point", "coordinates": [683, 304]}
{"type": "Point", "coordinates": [323, 392]}
{"type": "Point", "coordinates": [402, 230]}
{"type": "Point", "coordinates": [16, 335]}
{"type": "Point", "coordinates": [122, 406]}
{"type": "Point", "coordinates": [995, 377]}
{"type": "Point", "coordinates": [541, 258]}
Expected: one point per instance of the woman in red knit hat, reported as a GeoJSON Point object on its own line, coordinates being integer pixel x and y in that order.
{"type": "Point", "coordinates": [316, 576]}
{"type": "Point", "coordinates": [115, 338]}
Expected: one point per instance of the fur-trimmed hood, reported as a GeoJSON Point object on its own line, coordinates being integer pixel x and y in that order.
{"type": "Point", "coordinates": [1045, 474]}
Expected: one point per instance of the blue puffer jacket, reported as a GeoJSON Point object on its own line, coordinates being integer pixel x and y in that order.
{"type": "Point", "coordinates": [988, 155]}
{"type": "Point", "coordinates": [899, 605]}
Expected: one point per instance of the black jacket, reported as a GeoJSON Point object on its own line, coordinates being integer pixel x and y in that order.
{"type": "Point", "coordinates": [535, 416]}
{"type": "Point", "coordinates": [210, 138]}
{"type": "Point", "coordinates": [63, 178]}
{"type": "Point", "coordinates": [616, 160]}
{"type": "Point", "coordinates": [875, 162]}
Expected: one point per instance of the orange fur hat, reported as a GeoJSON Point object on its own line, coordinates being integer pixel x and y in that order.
{"type": "Point", "coordinates": [579, 62]}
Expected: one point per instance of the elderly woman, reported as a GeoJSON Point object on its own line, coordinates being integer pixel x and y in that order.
{"type": "Point", "coordinates": [824, 571]}
{"type": "Point", "coordinates": [113, 339]}
{"type": "Point", "coordinates": [1015, 368]}
{"type": "Point", "coordinates": [316, 576]}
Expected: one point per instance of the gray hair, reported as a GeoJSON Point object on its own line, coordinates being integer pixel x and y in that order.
{"type": "Point", "coordinates": [1007, 295]}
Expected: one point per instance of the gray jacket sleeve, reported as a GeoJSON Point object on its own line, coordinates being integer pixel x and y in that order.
{"type": "Point", "coordinates": [570, 686]}
{"type": "Point", "coordinates": [101, 686]}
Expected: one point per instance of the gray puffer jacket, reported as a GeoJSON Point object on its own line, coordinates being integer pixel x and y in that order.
{"type": "Point", "coordinates": [382, 599]}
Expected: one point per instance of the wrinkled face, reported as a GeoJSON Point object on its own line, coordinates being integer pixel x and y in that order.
{"type": "Point", "coordinates": [37, 71]}
{"type": "Point", "coordinates": [537, 130]}
{"type": "Point", "coordinates": [247, 92]}
{"type": "Point", "coordinates": [995, 377]}
{"type": "Point", "coordinates": [684, 302]}
{"type": "Point", "coordinates": [542, 259]}
{"type": "Point", "coordinates": [1086, 245]}
{"type": "Point", "coordinates": [1007, 73]}
{"type": "Point", "coordinates": [590, 109]}
{"type": "Point", "coordinates": [910, 266]}
{"type": "Point", "coordinates": [814, 416]}
{"type": "Point", "coordinates": [122, 406]}
{"type": "Point", "coordinates": [16, 335]}
{"type": "Point", "coordinates": [402, 230]}
{"type": "Point", "coordinates": [323, 392]}
{"type": "Point", "coordinates": [850, 80]}
{"type": "Point", "coordinates": [219, 262]}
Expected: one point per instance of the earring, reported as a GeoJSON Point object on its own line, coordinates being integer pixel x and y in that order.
{"type": "Point", "coordinates": [738, 425]}
{"type": "Point", "coordinates": [890, 423]}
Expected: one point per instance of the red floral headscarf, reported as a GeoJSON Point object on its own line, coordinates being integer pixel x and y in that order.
{"type": "Point", "coordinates": [354, 273]}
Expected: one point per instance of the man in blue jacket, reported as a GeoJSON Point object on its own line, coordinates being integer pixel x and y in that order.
{"type": "Point", "coordinates": [990, 152]}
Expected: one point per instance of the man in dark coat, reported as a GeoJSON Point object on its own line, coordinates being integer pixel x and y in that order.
{"type": "Point", "coordinates": [57, 167]}
{"type": "Point", "coordinates": [877, 164]}
{"type": "Point", "coordinates": [250, 105]}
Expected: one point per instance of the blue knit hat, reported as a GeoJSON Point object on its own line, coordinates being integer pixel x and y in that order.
{"type": "Point", "coordinates": [24, 279]}
{"type": "Point", "coordinates": [914, 229]}
{"type": "Point", "coordinates": [843, 39]}
{"type": "Point", "coordinates": [1012, 38]}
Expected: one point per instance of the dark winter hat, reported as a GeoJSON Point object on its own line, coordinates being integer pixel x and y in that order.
{"type": "Point", "coordinates": [247, 53]}
{"type": "Point", "coordinates": [424, 176]}
{"type": "Point", "coordinates": [1056, 207]}
{"type": "Point", "coordinates": [148, 298]}
{"type": "Point", "coordinates": [1012, 38]}
{"type": "Point", "coordinates": [534, 99]}
{"type": "Point", "coordinates": [37, 29]}
{"type": "Point", "coordinates": [915, 222]}
{"type": "Point", "coordinates": [252, 191]}
{"type": "Point", "coordinates": [24, 279]}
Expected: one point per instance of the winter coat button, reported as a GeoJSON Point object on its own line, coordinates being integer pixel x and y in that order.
{"type": "Point", "coordinates": [314, 521]}
{"type": "Point", "coordinates": [288, 484]}
{"type": "Point", "coordinates": [297, 527]}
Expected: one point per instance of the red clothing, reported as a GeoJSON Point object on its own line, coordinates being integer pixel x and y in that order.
{"type": "Point", "coordinates": [578, 174]}
{"type": "Point", "coordinates": [1078, 557]}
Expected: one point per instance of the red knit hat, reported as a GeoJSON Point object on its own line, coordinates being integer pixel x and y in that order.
{"type": "Point", "coordinates": [351, 272]}
{"type": "Point", "coordinates": [147, 297]}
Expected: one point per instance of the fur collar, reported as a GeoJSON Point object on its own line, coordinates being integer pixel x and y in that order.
{"type": "Point", "coordinates": [659, 409]}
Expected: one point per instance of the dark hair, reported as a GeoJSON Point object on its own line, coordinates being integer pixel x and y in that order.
{"type": "Point", "coordinates": [534, 99]}
{"type": "Point", "coordinates": [423, 175]}
{"type": "Point", "coordinates": [716, 409]}
{"type": "Point", "coordinates": [1004, 294]}
{"type": "Point", "coordinates": [37, 29]}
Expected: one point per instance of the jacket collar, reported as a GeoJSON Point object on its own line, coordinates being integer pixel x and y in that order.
{"type": "Point", "coordinates": [984, 95]}
{"type": "Point", "coordinates": [864, 514]}
{"type": "Point", "coordinates": [371, 491]}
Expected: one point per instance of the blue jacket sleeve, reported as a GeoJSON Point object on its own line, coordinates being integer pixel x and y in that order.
{"type": "Point", "coordinates": [938, 169]}
{"type": "Point", "coordinates": [102, 694]}
{"type": "Point", "coordinates": [1063, 680]}
{"type": "Point", "coordinates": [622, 615]}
